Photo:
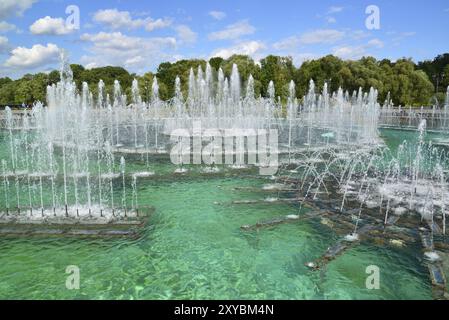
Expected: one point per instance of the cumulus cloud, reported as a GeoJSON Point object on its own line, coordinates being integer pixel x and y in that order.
{"type": "Point", "coordinates": [185, 34]}
{"type": "Point", "coordinates": [250, 48]}
{"type": "Point", "coordinates": [288, 43]}
{"type": "Point", "coordinates": [397, 37]}
{"type": "Point", "coordinates": [300, 58]}
{"type": "Point", "coordinates": [157, 24]}
{"type": "Point", "coordinates": [36, 56]}
{"type": "Point", "coordinates": [6, 27]}
{"type": "Point", "coordinates": [217, 15]}
{"type": "Point", "coordinates": [376, 43]}
{"type": "Point", "coordinates": [116, 19]}
{"type": "Point", "coordinates": [117, 40]}
{"type": "Point", "coordinates": [349, 52]}
{"type": "Point", "coordinates": [233, 31]}
{"type": "Point", "coordinates": [14, 7]}
{"type": "Point", "coordinates": [135, 53]}
{"type": "Point", "coordinates": [320, 36]}
{"type": "Point", "coordinates": [50, 26]}
{"type": "Point", "coordinates": [357, 51]}
{"type": "Point", "coordinates": [359, 34]}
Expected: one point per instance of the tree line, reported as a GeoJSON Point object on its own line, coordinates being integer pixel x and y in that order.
{"type": "Point", "coordinates": [407, 82]}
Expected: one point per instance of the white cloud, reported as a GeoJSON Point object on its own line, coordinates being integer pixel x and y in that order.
{"type": "Point", "coordinates": [36, 56]}
{"type": "Point", "coordinates": [122, 19]}
{"type": "Point", "coordinates": [119, 41]}
{"type": "Point", "coordinates": [14, 7]}
{"type": "Point", "coordinates": [136, 53]}
{"type": "Point", "coordinates": [91, 65]}
{"type": "Point", "coordinates": [157, 24]}
{"type": "Point", "coordinates": [397, 37]}
{"type": "Point", "coordinates": [217, 15]}
{"type": "Point", "coordinates": [117, 19]}
{"type": "Point", "coordinates": [233, 31]}
{"type": "Point", "coordinates": [320, 36]}
{"type": "Point", "coordinates": [4, 44]}
{"type": "Point", "coordinates": [356, 52]}
{"type": "Point", "coordinates": [334, 9]}
{"type": "Point", "coordinates": [359, 34]}
{"type": "Point", "coordinates": [6, 27]}
{"type": "Point", "coordinates": [50, 26]}
{"type": "Point", "coordinates": [185, 34]}
{"type": "Point", "coordinates": [287, 43]}
{"type": "Point", "coordinates": [250, 48]}
{"type": "Point", "coordinates": [375, 43]}
{"type": "Point", "coordinates": [134, 61]}
{"type": "Point", "coordinates": [349, 52]}
{"type": "Point", "coordinates": [300, 58]}
{"type": "Point", "coordinates": [329, 14]}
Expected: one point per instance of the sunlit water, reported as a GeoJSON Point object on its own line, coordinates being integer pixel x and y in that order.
{"type": "Point", "coordinates": [193, 248]}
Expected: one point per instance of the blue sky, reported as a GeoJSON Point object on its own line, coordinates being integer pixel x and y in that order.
{"type": "Point", "coordinates": [138, 35]}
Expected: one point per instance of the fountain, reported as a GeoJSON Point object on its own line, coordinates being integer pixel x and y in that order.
{"type": "Point", "coordinates": [51, 168]}
{"type": "Point", "coordinates": [75, 150]}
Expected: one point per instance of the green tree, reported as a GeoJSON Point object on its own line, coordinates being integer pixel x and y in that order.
{"type": "Point", "coordinates": [246, 66]}
{"type": "Point", "coordinates": [281, 71]}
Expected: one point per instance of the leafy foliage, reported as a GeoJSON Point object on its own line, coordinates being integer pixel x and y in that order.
{"type": "Point", "coordinates": [407, 83]}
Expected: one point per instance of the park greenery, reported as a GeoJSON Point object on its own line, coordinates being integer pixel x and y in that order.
{"type": "Point", "coordinates": [409, 83]}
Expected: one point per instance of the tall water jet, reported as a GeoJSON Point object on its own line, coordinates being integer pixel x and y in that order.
{"type": "Point", "coordinates": [208, 79]}
{"type": "Point", "coordinates": [271, 90]}
{"type": "Point", "coordinates": [101, 103]}
{"type": "Point", "coordinates": [290, 112]}
{"type": "Point", "coordinates": [136, 98]}
{"type": "Point", "coordinates": [178, 98]}
{"type": "Point", "coordinates": [446, 110]}
{"type": "Point", "coordinates": [235, 84]}
{"type": "Point", "coordinates": [250, 89]}
{"type": "Point", "coordinates": [155, 90]}
{"type": "Point", "coordinates": [192, 91]}
{"type": "Point", "coordinates": [220, 87]}
{"type": "Point", "coordinates": [122, 171]}
{"type": "Point", "coordinates": [5, 186]}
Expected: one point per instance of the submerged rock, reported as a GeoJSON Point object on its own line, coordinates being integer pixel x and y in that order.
{"type": "Point", "coordinates": [397, 242]}
{"type": "Point", "coordinates": [327, 222]}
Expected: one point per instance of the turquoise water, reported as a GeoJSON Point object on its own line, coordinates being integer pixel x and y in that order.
{"type": "Point", "coordinates": [193, 248]}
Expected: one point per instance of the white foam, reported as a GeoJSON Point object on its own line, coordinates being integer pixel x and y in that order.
{"type": "Point", "coordinates": [143, 174]}
{"type": "Point", "coordinates": [352, 237]}
{"type": "Point", "coordinates": [400, 210]}
{"type": "Point", "coordinates": [432, 256]}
